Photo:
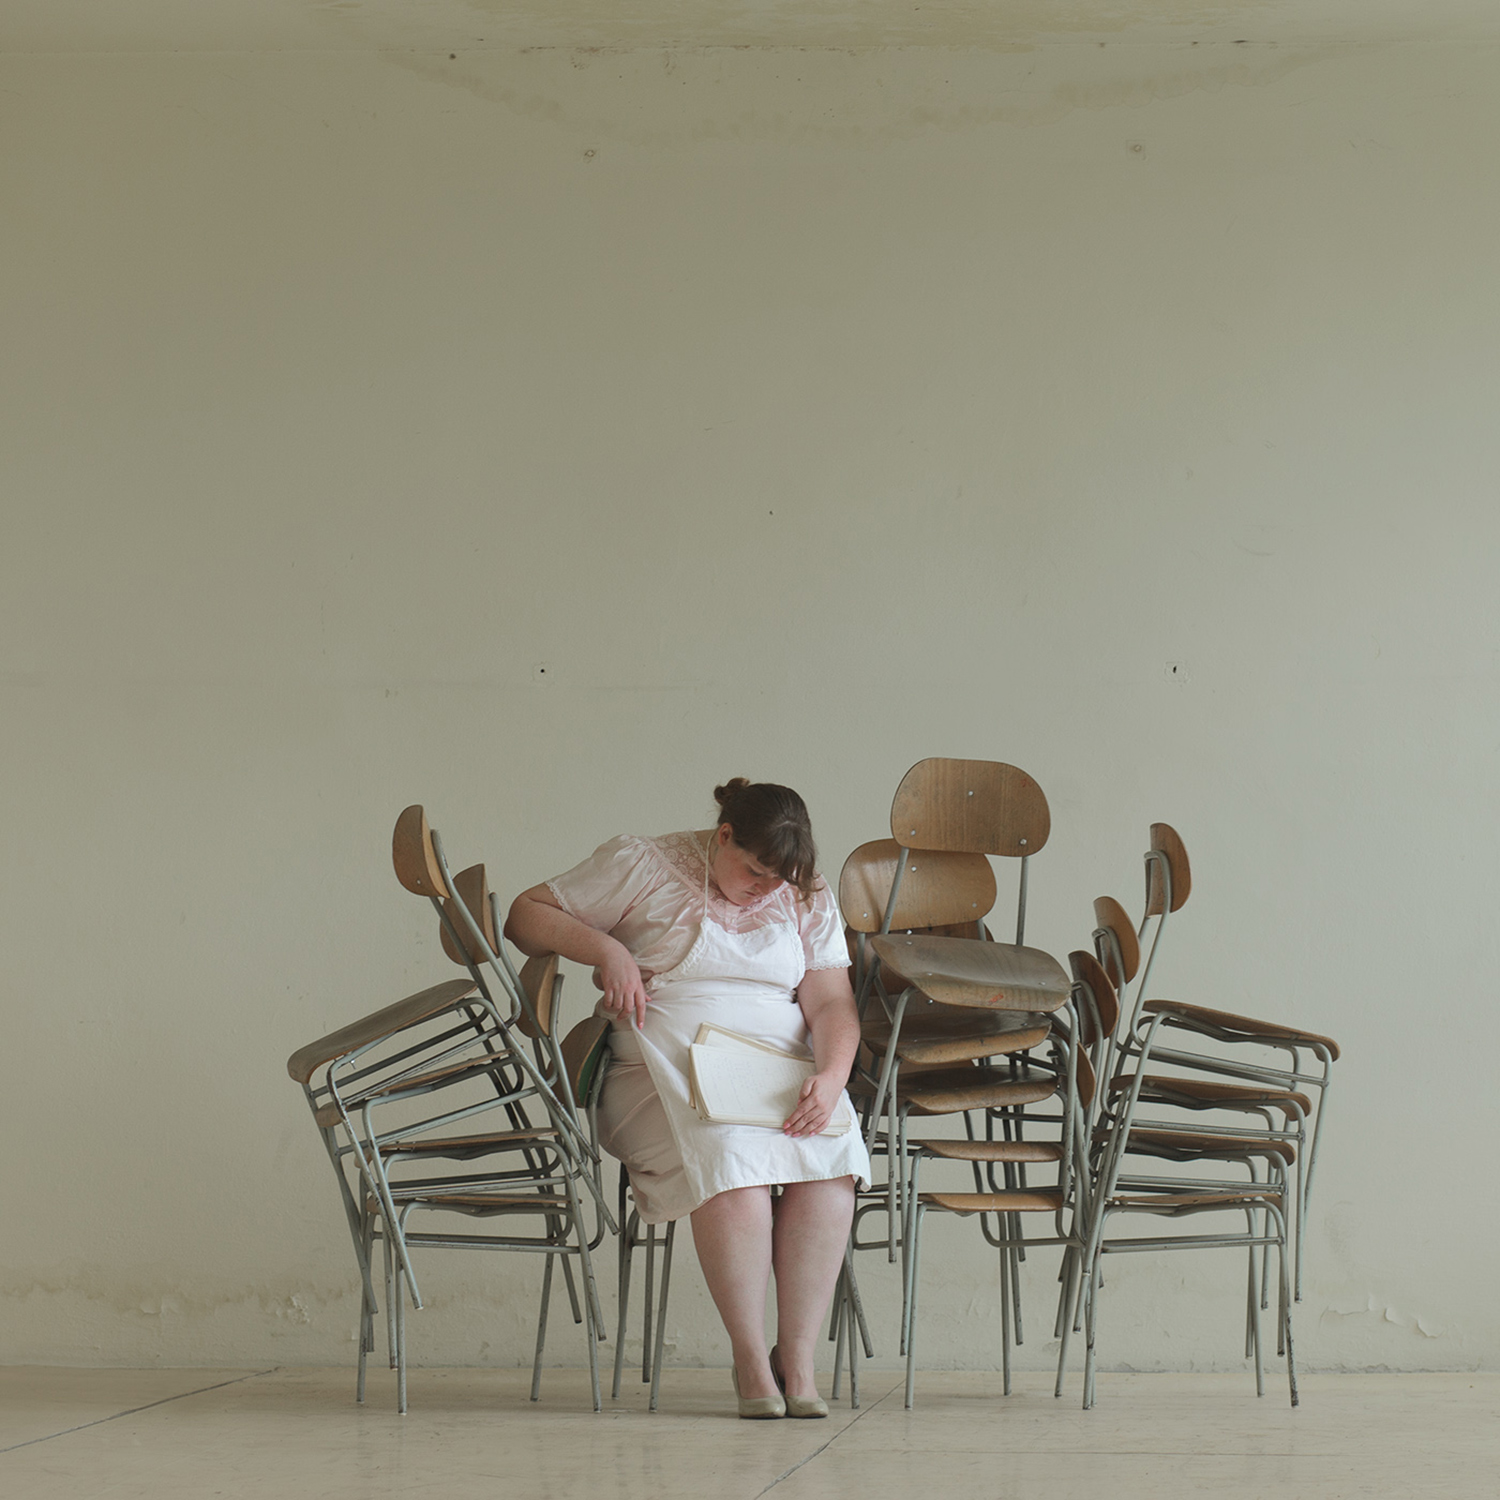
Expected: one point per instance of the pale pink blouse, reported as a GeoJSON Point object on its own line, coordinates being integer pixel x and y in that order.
{"type": "Point", "coordinates": [648, 894]}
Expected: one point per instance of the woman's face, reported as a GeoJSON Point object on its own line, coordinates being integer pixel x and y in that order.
{"type": "Point", "coordinates": [737, 873]}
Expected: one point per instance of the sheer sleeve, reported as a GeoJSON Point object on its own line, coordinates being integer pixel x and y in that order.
{"type": "Point", "coordinates": [605, 886]}
{"type": "Point", "coordinates": [822, 931]}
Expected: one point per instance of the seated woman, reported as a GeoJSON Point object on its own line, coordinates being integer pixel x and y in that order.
{"type": "Point", "coordinates": [735, 927]}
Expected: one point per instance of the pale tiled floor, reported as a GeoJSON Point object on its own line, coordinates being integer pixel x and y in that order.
{"type": "Point", "coordinates": [297, 1435]}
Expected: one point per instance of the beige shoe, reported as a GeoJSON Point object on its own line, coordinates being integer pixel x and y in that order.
{"type": "Point", "coordinates": [797, 1406]}
{"type": "Point", "coordinates": [759, 1408]}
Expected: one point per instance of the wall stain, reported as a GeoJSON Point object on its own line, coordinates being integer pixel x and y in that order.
{"type": "Point", "coordinates": [848, 96]}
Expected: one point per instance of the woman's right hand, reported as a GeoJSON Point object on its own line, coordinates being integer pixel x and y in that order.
{"type": "Point", "coordinates": [619, 976]}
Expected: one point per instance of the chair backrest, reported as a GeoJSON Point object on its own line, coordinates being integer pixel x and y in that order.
{"type": "Point", "coordinates": [975, 807]}
{"type": "Point", "coordinates": [1166, 868]}
{"type": "Point", "coordinates": [1168, 884]}
{"type": "Point", "coordinates": [938, 889]}
{"type": "Point", "coordinates": [401, 1016]}
{"type": "Point", "coordinates": [539, 980]}
{"type": "Point", "coordinates": [1098, 1007]}
{"type": "Point", "coordinates": [1115, 942]}
{"type": "Point", "coordinates": [970, 806]}
{"type": "Point", "coordinates": [585, 1051]}
{"type": "Point", "coordinates": [413, 855]}
{"type": "Point", "coordinates": [458, 942]}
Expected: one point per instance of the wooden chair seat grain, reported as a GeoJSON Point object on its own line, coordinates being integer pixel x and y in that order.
{"type": "Point", "coordinates": [987, 1151]}
{"type": "Point", "coordinates": [417, 1083]}
{"type": "Point", "coordinates": [951, 1091]}
{"type": "Point", "coordinates": [953, 971]}
{"type": "Point", "coordinates": [1176, 1203]}
{"type": "Point", "coordinates": [1209, 1093]}
{"type": "Point", "coordinates": [1016, 1200]}
{"type": "Point", "coordinates": [955, 1038]}
{"type": "Point", "coordinates": [464, 1147]}
{"type": "Point", "coordinates": [1217, 1021]}
{"type": "Point", "coordinates": [1181, 1145]}
{"type": "Point", "coordinates": [481, 1203]}
{"type": "Point", "coordinates": [399, 1016]}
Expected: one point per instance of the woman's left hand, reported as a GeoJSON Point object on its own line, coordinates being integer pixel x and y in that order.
{"type": "Point", "coordinates": [815, 1105]}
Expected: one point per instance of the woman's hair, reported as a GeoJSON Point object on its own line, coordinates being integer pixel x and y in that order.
{"type": "Point", "coordinates": [770, 823]}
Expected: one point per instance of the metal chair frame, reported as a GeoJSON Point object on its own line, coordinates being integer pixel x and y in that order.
{"type": "Point", "coordinates": [1162, 899]}
{"type": "Point", "coordinates": [1263, 1204]}
{"type": "Point", "coordinates": [1070, 1212]}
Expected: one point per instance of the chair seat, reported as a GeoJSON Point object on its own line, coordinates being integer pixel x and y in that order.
{"type": "Point", "coordinates": [1207, 1093]}
{"type": "Point", "coordinates": [986, 976]}
{"type": "Point", "coordinates": [411, 1011]}
{"type": "Point", "coordinates": [1173, 1145]}
{"type": "Point", "coordinates": [455, 1072]}
{"type": "Point", "coordinates": [1177, 1203]}
{"type": "Point", "coordinates": [942, 1035]}
{"type": "Point", "coordinates": [462, 1147]}
{"type": "Point", "coordinates": [1220, 1021]}
{"type": "Point", "coordinates": [484, 1203]}
{"type": "Point", "coordinates": [947, 1091]}
{"type": "Point", "coordinates": [1018, 1200]}
{"type": "Point", "coordinates": [1028, 1151]}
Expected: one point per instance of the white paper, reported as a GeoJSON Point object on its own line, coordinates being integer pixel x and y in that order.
{"type": "Point", "coordinates": [738, 1081]}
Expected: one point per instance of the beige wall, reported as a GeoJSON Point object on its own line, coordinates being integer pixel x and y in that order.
{"type": "Point", "coordinates": [803, 414]}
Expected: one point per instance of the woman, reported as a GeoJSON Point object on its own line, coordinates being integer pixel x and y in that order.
{"type": "Point", "coordinates": [731, 926]}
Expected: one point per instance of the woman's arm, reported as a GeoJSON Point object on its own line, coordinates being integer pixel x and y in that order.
{"type": "Point", "coordinates": [537, 924]}
{"type": "Point", "coordinates": [827, 1003]}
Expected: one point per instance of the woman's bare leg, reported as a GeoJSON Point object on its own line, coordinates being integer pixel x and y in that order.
{"type": "Point", "coordinates": [732, 1234]}
{"type": "Point", "coordinates": [808, 1239]}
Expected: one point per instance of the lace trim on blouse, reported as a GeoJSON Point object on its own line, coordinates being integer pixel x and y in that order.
{"type": "Point", "coordinates": [684, 856]}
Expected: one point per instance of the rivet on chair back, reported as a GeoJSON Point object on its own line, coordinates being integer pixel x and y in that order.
{"type": "Point", "coordinates": [412, 854]}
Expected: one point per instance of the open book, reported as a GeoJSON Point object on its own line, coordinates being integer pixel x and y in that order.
{"type": "Point", "coordinates": [737, 1080]}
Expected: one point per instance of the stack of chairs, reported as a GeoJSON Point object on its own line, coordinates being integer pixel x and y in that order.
{"type": "Point", "coordinates": [386, 1093]}
{"type": "Point", "coordinates": [949, 1018]}
{"type": "Point", "coordinates": [1077, 1103]}
{"type": "Point", "coordinates": [1260, 1172]}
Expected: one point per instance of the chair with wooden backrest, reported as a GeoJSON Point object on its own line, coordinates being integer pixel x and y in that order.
{"type": "Point", "coordinates": [528, 1168]}
{"type": "Point", "coordinates": [943, 808]}
{"type": "Point", "coordinates": [941, 894]}
{"type": "Point", "coordinates": [586, 1055]}
{"type": "Point", "coordinates": [975, 1000]}
{"type": "Point", "coordinates": [1002, 1199]}
{"type": "Point", "coordinates": [1298, 1093]}
{"type": "Point", "coordinates": [443, 1046]}
{"type": "Point", "coordinates": [1265, 1206]}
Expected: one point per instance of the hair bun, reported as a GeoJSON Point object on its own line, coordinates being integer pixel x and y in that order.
{"type": "Point", "coordinates": [730, 790]}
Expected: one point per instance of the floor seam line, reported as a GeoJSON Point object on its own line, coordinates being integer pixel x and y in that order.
{"type": "Point", "coordinates": [115, 1416]}
{"type": "Point", "coordinates": [818, 1452]}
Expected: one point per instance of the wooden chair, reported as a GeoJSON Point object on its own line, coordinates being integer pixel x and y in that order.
{"type": "Point", "coordinates": [1264, 1206]}
{"type": "Point", "coordinates": [369, 1085]}
{"type": "Point", "coordinates": [1261, 1085]}
{"type": "Point", "coordinates": [927, 959]}
{"type": "Point", "coordinates": [586, 1056]}
{"type": "Point", "coordinates": [536, 1165]}
{"type": "Point", "coordinates": [1000, 1202]}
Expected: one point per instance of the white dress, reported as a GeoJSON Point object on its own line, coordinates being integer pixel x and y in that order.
{"type": "Point", "coordinates": [734, 966]}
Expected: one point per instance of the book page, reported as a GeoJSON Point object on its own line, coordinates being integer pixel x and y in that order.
{"type": "Point", "coordinates": [735, 1086]}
